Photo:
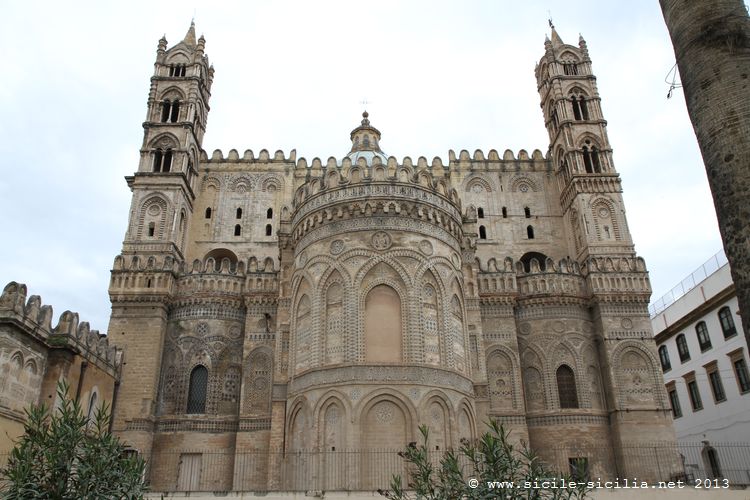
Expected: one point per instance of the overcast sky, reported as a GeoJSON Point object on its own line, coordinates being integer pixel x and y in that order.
{"type": "Point", "coordinates": [292, 75]}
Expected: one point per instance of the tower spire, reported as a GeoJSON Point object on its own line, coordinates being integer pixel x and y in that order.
{"type": "Point", "coordinates": [190, 35]}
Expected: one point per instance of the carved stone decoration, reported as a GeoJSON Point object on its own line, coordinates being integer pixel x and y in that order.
{"type": "Point", "coordinates": [558, 326]}
{"type": "Point", "coordinates": [425, 247]}
{"type": "Point", "coordinates": [381, 241]}
{"type": "Point", "coordinates": [302, 258]}
{"type": "Point", "coordinates": [384, 412]}
{"type": "Point", "coordinates": [627, 323]}
{"type": "Point", "coordinates": [524, 328]}
{"type": "Point", "coordinates": [456, 260]}
{"type": "Point", "coordinates": [337, 246]}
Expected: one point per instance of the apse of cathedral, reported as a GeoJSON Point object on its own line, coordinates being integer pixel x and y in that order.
{"type": "Point", "coordinates": [270, 304]}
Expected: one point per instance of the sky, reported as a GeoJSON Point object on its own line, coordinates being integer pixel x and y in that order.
{"type": "Point", "coordinates": [436, 76]}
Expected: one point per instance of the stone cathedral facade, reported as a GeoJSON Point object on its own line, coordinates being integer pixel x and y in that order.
{"type": "Point", "coordinates": [269, 306]}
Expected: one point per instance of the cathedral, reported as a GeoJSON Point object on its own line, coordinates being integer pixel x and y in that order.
{"type": "Point", "coordinates": [289, 320]}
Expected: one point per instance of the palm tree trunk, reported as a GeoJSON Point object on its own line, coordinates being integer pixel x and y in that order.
{"type": "Point", "coordinates": [711, 41]}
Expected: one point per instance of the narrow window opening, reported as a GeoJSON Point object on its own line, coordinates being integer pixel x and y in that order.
{"type": "Point", "coordinates": [165, 110]}
{"type": "Point", "coordinates": [704, 339]}
{"type": "Point", "coordinates": [151, 229]}
{"type": "Point", "coordinates": [596, 160]}
{"type": "Point", "coordinates": [606, 233]}
{"type": "Point", "coordinates": [664, 358]}
{"type": "Point", "coordinates": [480, 213]}
{"type": "Point", "coordinates": [505, 213]}
{"type": "Point", "coordinates": [333, 448]}
{"type": "Point", "coordinates": [588, 165]}
{"type": "Point", "coordinates": [717, 387]}
{"type": "Point", "coordinates": [695, 395]}
{"type": "Point", "coordinates": [208, 213]}
{"type": "Point", "coordinates": [527, 212]}
{"type": "Point", "coordinates": [237, 230]}
{"type": "Point", "coordinates": [197, 390]}
{"type": "Point", "coordinates": [167, 164]}
{"type": "Point", "coordinates": [482, 233]}
{"type": "Point", "coordinates": [238, 214]}
{"type": "Point", "coordinates": [175, 114]}
{"type": "Point", "coordinates": [148, 283]}
{"type": "Point", "coordinates": [157, 160]}
{"type": "Point", "coordinates": [269, 213]}
{"type": "Point", "coordinates": [269, 230]}
{"type": "Point", "coordinates": [584, 108]}
{"type": "Point", "coordinates": [530, 232]}
{"type": "Point", "coordinates": [727, 323]}
{"type": "Point", "coordinates": [576, 108]}
{"type": "Point", "coordinates": [682, 348]}
{"type": "Point", "coordinates": [674, 400]}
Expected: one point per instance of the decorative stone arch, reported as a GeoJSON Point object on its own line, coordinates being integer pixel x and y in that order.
{"type": "Point", "coordinates": [405, 173]}
{"type": "Point", "coordinates": [502, 377]}
{"type": "Point", "coordinates": [257, 381]}
{"type": "Point", "coordinates": [154, 209]}
{"type": "Point", "coordinates": [271, 183]}
{"type": "Point", "coordinates": [242, 184]}
{"type": "Point", "coordinates": [375, 259]}
{"type": "Point", "coordinates": [523, 184]}
{"type": "Point", "coordinates": [333, 293]}
{"type": "Point", "coordinates": [298, 425]}
{"type": "Point", "coordinates": [606, 219]}
{"type": "Point", "coordinates": [394, 440]}
{"type": "Point", "coordinates": [431, 293]}
{"type": "Point", "coordinates": [401, 290]}
{"type": "Point", "coordinates": [303, 339]}
{"type": "Point", "coordinates": [332, 426]}
{"type": "Point", "coordinates": [441, 422]}
{"type": "Point", "coordinates": [465, 421]}
{"type": "Point", "coordinates": [164, 140]}
{"type": "Point", "coordinates": [569, 56]}
{"type": "Point", "coordinates": [636, 384]}
{"type": "Point", "coordinates": [211, 181]}
{"type": "Point", "coordinates": [178, 56]}
{"type": "Point", "coordinates": [578, 91]}
{"type": "Point", "coordinates": [483, 185]}
{"type": "Point", "coordinates": [172, 92]}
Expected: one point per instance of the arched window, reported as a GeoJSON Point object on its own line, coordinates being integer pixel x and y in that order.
{"type": "Point", "coordinates": [166, 108]}
{"type": "Point", "coordinates": [540, 258]}
{"type": "Point", "coordinates": [166, 165]}
{"type": "Point", "coordinates": [576, 108]}
{"type": "Point", "coordinates": [566, 387]}
{"type": "Point", "coordinates": [664, 358]}
{"type": "Point", "coordinates": [505, 212]}
{"type": "Point", "coordinates": [269, 213]}
{"type": "Point", "coordinates": [704, 340]}
{"type": "Point", "coordinates": [158, 157]}
{"type": "Point", "coordinates": [197, 392]}
{"type": "Point", "coordinates": [480, 213]}
{"type": "Point", "coordinates": [170, 111]}
{"type": "Point", "coordinates": [595, 160]}
{"type": "Point", "coordinates": [682, 348]}
{"type": "Point", "coordinates": [727, 323]}
{"type": "Point", "coordinates": [530, 232]}
{"type": "Point", "coordinates": [527, 212]}
{"type": "Point", "coordinates": [238, 214]}
{"type": "Point", "coordinates": [208, 213]}
{"type": "Point", "coordinates": [482, 233]}
{"type": "Point", "coordinates": [269, 229]}
{"type": "Point", "coordinates": [237, 230]}
{"type": "Point", "coordinates": [151, 228]}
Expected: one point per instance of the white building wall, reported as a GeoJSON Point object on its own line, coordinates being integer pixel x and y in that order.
{"type": "Point", "coordinates": [723, 421]}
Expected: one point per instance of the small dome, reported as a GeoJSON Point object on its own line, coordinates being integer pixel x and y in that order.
{"type": "Point", "coordinates": [365, 142]}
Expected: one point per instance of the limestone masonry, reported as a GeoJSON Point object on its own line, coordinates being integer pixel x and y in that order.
{"type": "Point", "coordinates": [267, 305]}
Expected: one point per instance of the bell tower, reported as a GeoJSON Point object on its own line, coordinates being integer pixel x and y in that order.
{"type": "Point", "coordinates": [589, 184]}
{"type": "Point", "coordinates": [163, 187]}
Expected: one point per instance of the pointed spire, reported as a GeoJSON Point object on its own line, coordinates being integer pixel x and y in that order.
{"type": "Point", "coordinates": [190, 35]}
{"type": "Point", "coordinates": [556, 40]}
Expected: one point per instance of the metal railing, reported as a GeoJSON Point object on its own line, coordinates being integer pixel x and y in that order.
{"type": "Point", "coordinates": [709, 267]}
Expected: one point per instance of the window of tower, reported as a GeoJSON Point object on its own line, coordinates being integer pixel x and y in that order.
{"type": "Point", "coordinates": [530, 232]}
{"type": "Point", "coordinates": [505, 212]}
{"type": "Point", "coordinates": [587, 161]}
{"type": "Point", "coordinates": [239, 214]}
{"type": "Point", "coordinates": [269, 213]}
{"type": "Point", "coordinates": [175, 113]}
{"type": "Point", "coordinates": [482, 233]}
{"type": "Point", "coordinates": [151, 229]}
{"type": "Point", "coordinates": [584, 107]}
{"type": "Point", "coordinates": [527, 212]}
{"type": "Point", "coordinates": [166, 165]}
{"type": "Point", "coordinates": [208, 213]}
{"type": "Point", "coordinates": [158, 157]}
{"type": "Point", "coordinates": [566, 387]}
{"type": "Point", "coordinates": [269, 229]}
{"type": "Point", "coordinates": [166, 108]}
{"type": "Point", "coordinates": [570, 68]}
{"type": "Point", "coordinates": [480, 212]}
{"type": "Point", "coordinates": [576, 108]}
{"type": "Point", "coordinates": [595, 160]}
{"type": "Point", "coordinates": [237, 230]}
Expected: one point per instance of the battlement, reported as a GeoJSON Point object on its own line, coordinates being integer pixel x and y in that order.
{"type": "Point", "coordinates": [509, 161]}
{"type": "Point", "coordinates": [533, 278]}
{"type": "Point", "coordinates": [69, 333]}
